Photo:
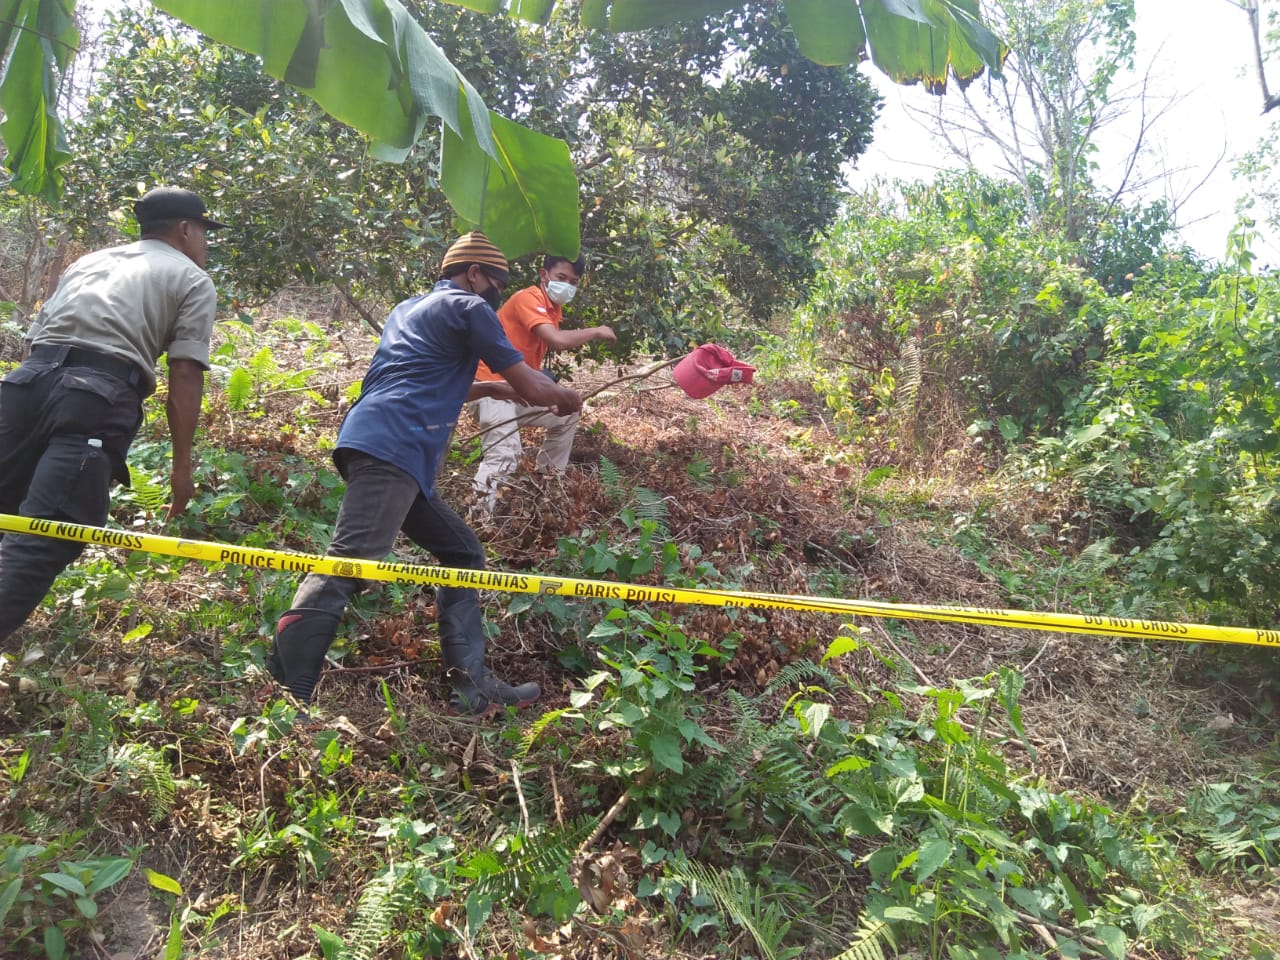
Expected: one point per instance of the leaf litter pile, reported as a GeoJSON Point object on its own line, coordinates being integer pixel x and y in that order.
{"type": "Point", "coordinates": [751, 480]}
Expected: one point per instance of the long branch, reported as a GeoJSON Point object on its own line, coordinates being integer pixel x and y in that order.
{"type": "Point", "coordinates": [638, 375]}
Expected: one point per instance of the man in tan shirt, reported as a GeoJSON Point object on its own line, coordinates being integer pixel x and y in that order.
{"type": "Point", "coordinates": [69, 413]}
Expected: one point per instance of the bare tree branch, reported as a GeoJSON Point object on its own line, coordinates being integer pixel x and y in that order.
{"type": "Point", "coordinates": [1064, 83]}
{"type": "Point", "coordinates": [1269, 100]}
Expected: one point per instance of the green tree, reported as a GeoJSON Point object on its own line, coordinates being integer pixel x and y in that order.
{"type": "Point", "coordinates": [307, 200]}
{"type": "Point", "coordinates": [368, 63]}
{"type": "Point", "coordinates": [1044, 117]}
{"type": "Point", "coordinates": [700, 204]}
{"type": "Point", "coordinates": [1174, 442]}
{"type": "Point", "coordinates": [710, 157]}
{"type": "Point", "coordinates": [1129, 241]}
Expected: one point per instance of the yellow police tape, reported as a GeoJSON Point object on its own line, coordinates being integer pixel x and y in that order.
{"type": "Point", "coordinates": [569, 587]}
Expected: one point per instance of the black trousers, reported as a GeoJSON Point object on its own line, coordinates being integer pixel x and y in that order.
{"type": "Point", "coordinates": [382, 500]}
{"type": "Point", "coordinates": [50, 410]}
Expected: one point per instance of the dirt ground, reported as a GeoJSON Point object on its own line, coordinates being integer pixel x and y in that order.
{"type": "Point", "coordinates": [757, 480]}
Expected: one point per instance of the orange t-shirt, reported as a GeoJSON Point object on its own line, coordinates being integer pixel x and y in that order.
{"type": "Point", "coordinates": [519, 315]}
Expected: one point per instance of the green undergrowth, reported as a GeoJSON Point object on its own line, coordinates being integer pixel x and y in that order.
{"type": "Point", "coordinates": [841, 810]}
{"type": "Point", "coordinates": [912, 826]}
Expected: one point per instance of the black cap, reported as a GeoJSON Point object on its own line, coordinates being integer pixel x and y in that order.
{"type": "Point", "coordinates": [173, 203]}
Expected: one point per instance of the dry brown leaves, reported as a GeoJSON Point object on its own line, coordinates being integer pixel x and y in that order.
{"type": "Point", "coordinates": [765, 500]}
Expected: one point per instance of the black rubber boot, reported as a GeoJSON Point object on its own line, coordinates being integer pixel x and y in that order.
{"type": "Point", "coordinates": [303, 636]}
{"type": "Point", "coordinates": [475, 689]}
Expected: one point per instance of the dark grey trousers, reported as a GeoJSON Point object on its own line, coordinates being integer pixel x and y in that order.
{"type": "Point", "coordinates": [381, 501]}
{"type": "Point", "coordinates": [50, 470]}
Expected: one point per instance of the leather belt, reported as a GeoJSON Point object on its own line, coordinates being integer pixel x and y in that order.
{"type": "Point", "coordinates": [66, 356]}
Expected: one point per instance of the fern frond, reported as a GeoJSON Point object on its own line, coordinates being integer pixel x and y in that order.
{"type": "Point", "coordinates": [143, 764]}
{"type": "Point", "coordinates": [748, 709]}
{"type": "Point", "coordinates": [706, 781]}
{"type": "Point", "coordinates": [146, 494]}
{"type": "Point", "coordinates": [801, 671]}
{"type": "Point", "coordinates": [652, 506]}
{"type": "Point", "coordinates": [866, 946]}
{"type": "Point", "coordinates": [538, 726]}
{"type": "Point", "coordinates": [239, 389]}
{"type": "Point", "coordinates": [541, 855]}
{"type": "Point", "coordinates": [213, 617]}
{"type": "Point", "coordinates": [783, 777]}
{"type": "Point", "coordinates": [764, 759]}
{"type": "Point", "coordinates": [742, 902]}
{"type": "Point", "coordinates": [263, 364]}
{"type": "Point", "coordinates": [45, 682]}
{"type": "Point", "coordinates": [1097, 558]}
{"type": "Point", "coordinates": [610, 478]}
{"type": "Point", "coordinates": [39, 823]}
{"type": "Point", "coordinates": [381, 901]}
{"type": "Point", "coordinates": [912, 372]}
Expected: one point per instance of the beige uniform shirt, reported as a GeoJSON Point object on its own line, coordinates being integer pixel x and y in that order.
{"type": "Point", "coordinates": [134, 302]}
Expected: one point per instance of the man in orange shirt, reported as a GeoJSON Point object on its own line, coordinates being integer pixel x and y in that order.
{"type": "Point", "coordinates": [531, 319]}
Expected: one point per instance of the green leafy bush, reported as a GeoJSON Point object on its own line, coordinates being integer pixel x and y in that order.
{"type": "Point", "coordinates": [47, 901]}
{"type": "Point", "coordinates": [1174, 440]}
{"type": "Point", "coordinates": [939, 306]}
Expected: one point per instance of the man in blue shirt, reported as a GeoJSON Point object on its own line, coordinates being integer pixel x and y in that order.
{"type": "Point", "coordinates": [388, 451]}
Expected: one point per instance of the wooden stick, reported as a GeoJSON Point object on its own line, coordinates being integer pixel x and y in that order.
{"type": "Point", "coordinates": [555, 793]}
{"type": "Point", "coordinates": [885, 635]}
{"type": "Point", "coordinates": [1032, 922]}
{"type": "Point", "coordinates": [608, 818]}
{"type": "Point", "coordinates": [524, 810]}
{"type": "Point", "coordinates": [638, 375]}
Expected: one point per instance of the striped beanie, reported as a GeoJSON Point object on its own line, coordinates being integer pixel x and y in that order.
{"type": "Point", "coordinates": [475, 247]}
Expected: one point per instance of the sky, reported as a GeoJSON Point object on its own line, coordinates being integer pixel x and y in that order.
{"type": "Point", "coordinates": [1200, 54]}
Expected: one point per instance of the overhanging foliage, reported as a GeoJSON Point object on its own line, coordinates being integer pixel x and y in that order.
{"type": "Point", "coordinates": [37, 39]}
{"type": "Point", "coordinates": [910, 40]}
{"type": "Point", "coordinates": [370, 64]}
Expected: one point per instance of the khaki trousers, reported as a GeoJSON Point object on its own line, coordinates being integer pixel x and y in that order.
{"type": "Point", "coordinates": [500, 421]}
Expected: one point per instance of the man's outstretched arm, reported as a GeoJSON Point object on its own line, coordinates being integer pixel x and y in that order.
{"type": "Point", "coordinates": [573, 339]}
{"type": "Point", "coordinates": [536, 388]}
